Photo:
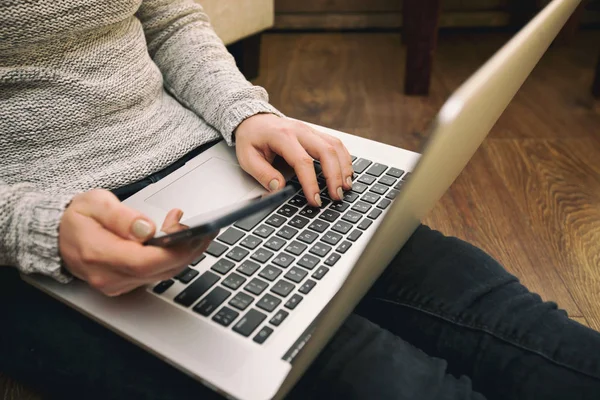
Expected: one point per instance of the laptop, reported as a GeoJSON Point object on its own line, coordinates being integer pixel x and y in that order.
{"type": "Point", "coordinates": [250, 316]}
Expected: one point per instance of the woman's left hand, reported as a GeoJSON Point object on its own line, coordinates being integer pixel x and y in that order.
{"type": "Point", "coordinates": [263, 136]}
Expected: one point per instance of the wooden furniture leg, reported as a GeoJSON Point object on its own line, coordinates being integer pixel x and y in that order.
{"type": "Point", "coordinates": [596, 85]}
{"type": "Point", "coordinates": [247, 55]}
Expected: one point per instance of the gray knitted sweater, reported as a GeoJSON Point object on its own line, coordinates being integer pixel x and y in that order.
{"type": "Point", "coordinates": [100, 93]}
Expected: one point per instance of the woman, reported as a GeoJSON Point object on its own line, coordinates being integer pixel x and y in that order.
{"type": "Point", "coordinates": [99, 98]}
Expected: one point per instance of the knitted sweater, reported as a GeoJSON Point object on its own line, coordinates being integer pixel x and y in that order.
{"type": "Point", "coordinates": [98, 94]}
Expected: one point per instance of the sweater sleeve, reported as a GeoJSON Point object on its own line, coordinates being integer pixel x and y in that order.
{"type": "Point", "coordinates": [197, 68]}
{"type": "Point", "coordinates": [29, 223]}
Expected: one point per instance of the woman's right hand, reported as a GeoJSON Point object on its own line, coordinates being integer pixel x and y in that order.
{"type": "Point", "coordinates": [100, 242]}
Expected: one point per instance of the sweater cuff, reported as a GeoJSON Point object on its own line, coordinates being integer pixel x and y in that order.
{"type": "Point", "coordinates": [239, 111]}
{"type": "Point", "coordinates": [38, 249]}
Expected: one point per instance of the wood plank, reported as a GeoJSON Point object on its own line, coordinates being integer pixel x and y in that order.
{"type": "Point", "coordinates": [386, 6]}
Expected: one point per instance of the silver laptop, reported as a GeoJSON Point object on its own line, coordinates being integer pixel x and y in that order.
{"type": "Point", "coordinates": [249, 317]}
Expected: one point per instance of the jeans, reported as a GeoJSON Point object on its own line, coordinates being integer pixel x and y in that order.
{"type": "Point", "coordinates": [444, 321]}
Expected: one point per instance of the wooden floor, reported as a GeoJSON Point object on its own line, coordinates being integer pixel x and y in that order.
{"type": "Point", "coordinates": [530, 196]}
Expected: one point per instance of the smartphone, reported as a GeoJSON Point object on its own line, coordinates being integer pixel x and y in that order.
{"type": "Point", "coordinates": [220, 218]}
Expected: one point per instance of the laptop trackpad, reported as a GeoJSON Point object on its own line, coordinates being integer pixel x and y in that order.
{"type": "Point", "coordinates": [214, 184]}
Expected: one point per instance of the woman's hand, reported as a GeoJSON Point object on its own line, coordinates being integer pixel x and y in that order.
{"type": "Point", "coordinates": [263, 136]}
{"type": "Point", "coordinates": [100, 242]}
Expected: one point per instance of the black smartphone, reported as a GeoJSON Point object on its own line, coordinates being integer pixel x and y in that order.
{"type": "Point", "coordinates": [220, 218]}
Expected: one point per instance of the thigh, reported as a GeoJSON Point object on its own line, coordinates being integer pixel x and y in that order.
{"type": "Point", "coordinates": [456, 302]}
{"type": "Point", "coordinates": [63, 354]}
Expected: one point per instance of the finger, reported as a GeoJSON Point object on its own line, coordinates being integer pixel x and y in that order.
{"type": "Point", "coordinates": [261, 169]}
{"type": "Point", "coordinates": [171, 223]}
{"type": "Point", "coordinates": [344, 156]}
{"type": "Point", "coordinates": [288, 147]}
{"type": "Point", "coordinates": [327, 155]}
{"type": "Point", "coordinates": [105, 207]}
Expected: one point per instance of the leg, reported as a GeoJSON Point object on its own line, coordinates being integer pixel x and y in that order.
{"type": "Point", "coordinates": [421, 18]}
{"type": "Point", "coordinates": [247, 55]}
{"type": "Point", "coordinates": [455, 302]}
{"type": "Point", "coordinates": [63, 354]}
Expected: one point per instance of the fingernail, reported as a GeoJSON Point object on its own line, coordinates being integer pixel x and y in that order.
{"type": "Point", "coordinates": [274, 185]}
{"type": "Point", "coordinates": [141, 229]}
{"type": "Point", "coordinates": [340, 193]}
{"type": "Point", "coordinates": [318, 199]}
{"type": "Point", "coordinates": [349, 181]}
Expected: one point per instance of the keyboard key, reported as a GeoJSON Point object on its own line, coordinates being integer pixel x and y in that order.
{"type": "Point", "coordinates": [283, 260]}
{"type": "Point", "coordinates": [395, 172]}
{"type": "Point", "coordinates": [360, 165]}
{"type": "Point", "coordinates": [361, 207]}
{"type": "Point", "coordinates": [186, 275]}
{"type": "Point", "coordinates": [341, 227]}
{"type": "Point", "coordinates": [379, 189]}
{"type": "Point", "coordinates": [365, 224]}
{"type": "Point", "coordinates": [377, 169]}
{"type": "Point", "coordinates": [294, 182]}
{"type": "Point", "coordinates": [307, 261]}
{"type": "Point", "coordinates": [320, 272]}
{"type": "Point", "coordinates": [406, 176]}
{"type": "Point", "coordinates": [296, 248]}
{"type": "Point", "coordinates": [309, 212]}
{"type": "Point", "coordinates": [225, 316]}
{"type": "Point", "coordinates": [263, 334]}
{"type": "Point", "coordinates": [275, 243]}
{"type": "Point", "coordinates": [387, 180]}
{"type": "Point", "coordinates": [279, 317]}
{"type": "Point", "coordinates": [359, 187]}
{"type": "Point", "coordinates": [308, 237]}
{"type": "Point", "coordinates": [293, 301]}
{"type": "Point", "coordinates": [234, 281]}
{"type": "Point", "coordinates": [268, 302]}
{"type": "Point", "coordinates": [249, 322]}
{"type": "Point", "coordinates": [263, 231]}
{"type": "Point", "coordinates": [296, 274]}
{"type": "Point", "coordinates": [318, 225]}
{"type": "Point", "coordinates": [298, 222]}
{"type": "Point", "coordinates": [367, 179]}
{"type": "Point", "coordinates": [343, 247]}
{"type": "Point", "coordinates": [163, 286]}
{"type": "Point", "coordinates": [331, 238]}
{"type": "Point", "coordinates": [237, 254]}
{"type": "Point", "coordinates": [275, 220]}
{"type": "Point", "coordinates": [287, 232]}
{"type": "Point", "coordinates": [196, 289]}
{"type": "Point", "coordinates": [216, 249]}
{"type": "Point", "coordinates": [251, 242]}
{"type": "Point", "coordinates": [320, 249]}
{"type": "Point", "coordinates": [298, 201]}
{"type": "Point", "coordinates": [241, 301]}
{"type": "Point", "coordinates": [270, 273]}
{"type": "Point", "coordinates": [332, 259]}
{"type": "Point", "coordinates": [350, 197]}
{"type": "Point", "coordinates": [352, 217]}
{"type": "Point", "coordinates": [197, 260]}
{"type": "Point", "coordinates": [340, 207]}
{"type": "Point", "coordinates": [374, 214]}
{"type": "Point", "coordinates": [353, 237]}
{"type": "Point", "coordinates": [307, 286]}
{"type": "Point", "coordinates": [392, 194]}
{"type": "Point", "coordinates": [398, 185]}
{"type": "Point", "coordinates": [222, 266]}
{"type": "Point", "coordinates": [383, 204]}
{"type": "Point", "coordinates": [329, 215]}
{"type": "Point", "coordinates": [325, 200]}
{"type": "Point", "coordinates": [322, 183]}
{"type": "Point", "coordinates": [370, 198]}
{"type": "Point", "coordinates": [283, 288]}
{"type": "Point", "coordinates": [256, 286]}
{"type": "Point", "coordinates": [210, 303]}
{"type": "Point", "coordinates": [248, 268]}
{"type": "Point", "coordinates": [287, 210]}
{"type": "Point", "coordinates": [248, 223]}
{"type": "Point", "coordinates": [231, 236]}
{"type": "Point", "coordinates": [262, 255]}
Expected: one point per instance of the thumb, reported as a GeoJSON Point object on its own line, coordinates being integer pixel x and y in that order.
{"type": "Point", "coordinates": [124, 221]}
{"type": "Point", "coordinates": [263, 172]}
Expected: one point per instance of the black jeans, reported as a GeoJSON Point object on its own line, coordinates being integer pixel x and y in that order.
{"type": "Point", "coordinates": [445, 321]}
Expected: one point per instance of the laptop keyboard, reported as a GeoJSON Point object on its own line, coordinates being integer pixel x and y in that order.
{"type": "Point", "coordinates": [267, 263]}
